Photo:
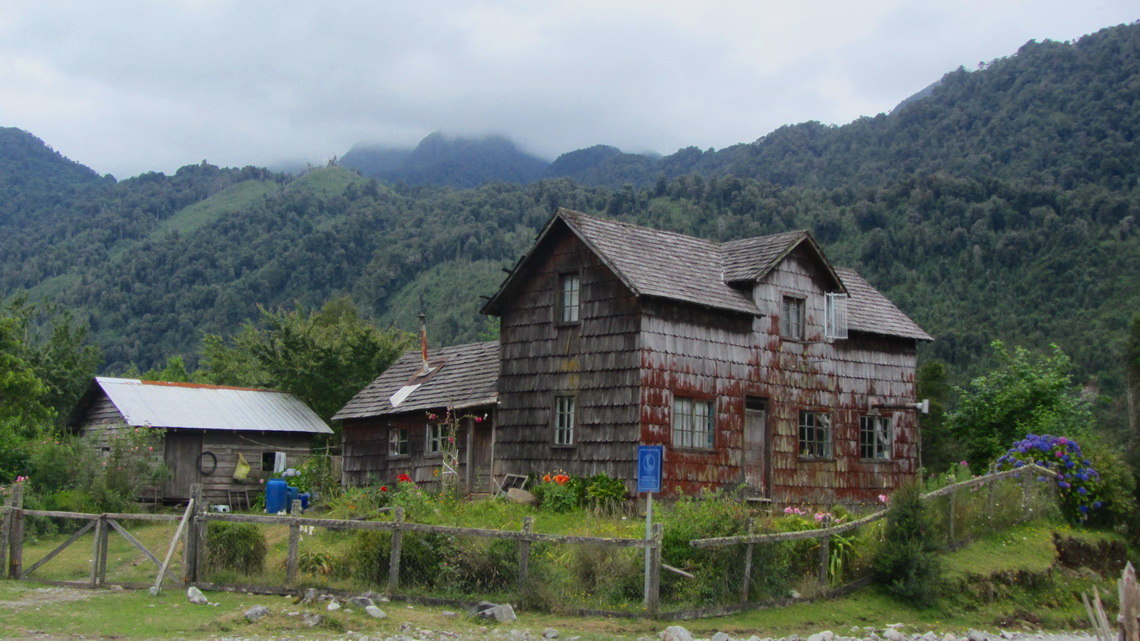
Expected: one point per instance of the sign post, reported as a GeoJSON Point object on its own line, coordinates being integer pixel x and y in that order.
{"type": "Point", "coordinates": [649, 460]}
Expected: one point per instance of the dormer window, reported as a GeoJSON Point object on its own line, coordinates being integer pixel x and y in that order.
{"type": "Point", "coordinates": [569, 287]}
{"type": "Point", "coordinates": [792, 318]}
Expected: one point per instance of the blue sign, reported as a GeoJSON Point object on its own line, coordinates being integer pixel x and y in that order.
{"type": "Point", "coordinates": [649, 462]}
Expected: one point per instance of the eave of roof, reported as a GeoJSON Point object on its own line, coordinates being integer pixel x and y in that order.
{"type": "Point", "coordinates": [870, 312]}
{"type": "Point", "coordinates": [208, 407]}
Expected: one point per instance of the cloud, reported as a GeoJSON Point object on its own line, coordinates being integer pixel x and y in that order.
{"type": "Point", "coordinates": [128, 87]}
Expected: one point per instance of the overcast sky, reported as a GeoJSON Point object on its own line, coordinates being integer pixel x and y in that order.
{"type": "Point", "coordinates": [129, 87]}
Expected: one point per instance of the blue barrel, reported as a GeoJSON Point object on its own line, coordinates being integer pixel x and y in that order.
{"type": "Point", "coordinates": [276, 493]}
{"type": "Point", "coordinates": [294, 495]}
{"type": "Point", "coordinates": [304, 500]}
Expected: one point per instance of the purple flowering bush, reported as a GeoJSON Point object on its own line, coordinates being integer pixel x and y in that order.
{"type": "Point", "coordinates": [1078, 483]}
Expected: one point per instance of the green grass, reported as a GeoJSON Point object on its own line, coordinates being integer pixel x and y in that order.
{"type": "Point", "coordinates": [1025, 547]}
{"type": "Point", "coordinates": [325, 182]}
{"type": "Point", "coordinates": [232, 200]}
{"type": "Point", "coordinates": [1001, 581]}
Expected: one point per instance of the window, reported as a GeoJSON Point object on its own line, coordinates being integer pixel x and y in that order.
{"type": "Point", "coordinates": [692, 423]}
{"type": "Point", "coordinates": [875, 437]}
{"type": "Point", "coordinates": [570, 288]}
{"type": "Point", "coordinates": [815, 434]}
{"type": "Point", "coordinates": [792, 318]}
{"type": "Point", "coordinates": [835, 316]}
{"type": "Point", "coordinates": [273, 462]}
{"type": "Point", "coordinates": [397, 441]}
{"type": "Point", "coordinates": [433, 440]}
{"type": "Point", "coordinates": [564, 411]}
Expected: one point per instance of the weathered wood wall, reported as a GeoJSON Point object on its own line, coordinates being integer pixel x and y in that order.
{"type": "Point", "coordinates": [595, 359]}
{"type": "Point", "coordinates": [366, 460]}
{"type": "Point", "coordinates": [103, 418]}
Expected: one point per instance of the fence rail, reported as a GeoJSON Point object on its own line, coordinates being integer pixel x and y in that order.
{"type": "Point", "coordinates": [523, 542]}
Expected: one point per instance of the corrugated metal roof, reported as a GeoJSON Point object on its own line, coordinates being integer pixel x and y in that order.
{"type": "Point", "coordinates": [209, 407]}
{"type": "Point", "coordinates": [869, 311]}
{"type": "Point", "coordinates": [468, 376]}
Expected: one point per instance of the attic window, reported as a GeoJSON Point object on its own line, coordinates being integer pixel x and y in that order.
{"type": "Point", "coordinates": [569, 287]}
{"type": "Point", "coordinates": [835, 316]}
{"type": "Point", "coordinates": [792, 318]}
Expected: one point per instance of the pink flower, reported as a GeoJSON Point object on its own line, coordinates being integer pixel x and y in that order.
{"type": "Point", "coordinates": [478, 419]}
{"type": "Point", "coordinates": [820, 516]}
{"type": "Point", "coordinates": [1063, 440]}
{"type": "Point", "coordinates": [883, 498]}
{"type": "Point", "coordinates": [432, 417]}
{"type": "Point", "coordinates": [963, 464]}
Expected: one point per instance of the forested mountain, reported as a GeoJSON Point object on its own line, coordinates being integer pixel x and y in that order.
{"type": "Point", "coordinates": [1002, 205]}
{"type": "Point", "coordinates": [437, 160]}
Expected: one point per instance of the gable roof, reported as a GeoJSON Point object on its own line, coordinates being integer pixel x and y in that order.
{"type": "Point", "coordinates": [869, 311]}
{"type": "Point", "coordinates": [467, 376]}
{"type": "Point", "coordinates": [664, 264]}
{"type": "Point", "coordinates": [207, 407]}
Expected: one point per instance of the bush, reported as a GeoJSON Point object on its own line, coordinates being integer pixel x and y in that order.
{"type": "Point", "coordinates": [1078, 482]}
{"type": "Point", "coordinates": [559, 492]}
{"type": "Point", "coordinates": [907, 565]}
{"type": "Point", "coordinates": [718, 571]}
{"type": "Point", "coordinates": [368, 556]}
{"type": "Point", "coordinates": [235, 546]}
{"type": "Point", "coordinates": [604, 494]}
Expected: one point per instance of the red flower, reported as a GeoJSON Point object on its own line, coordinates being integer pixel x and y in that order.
{"type": "Point", "coordinates": [478, 419]}
{"type": "Point", "coordinates": [404, 478]}
{"type": "Point", "coordinates": [383, 488]}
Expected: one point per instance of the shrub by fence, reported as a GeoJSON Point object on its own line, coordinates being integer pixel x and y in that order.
{"type": "Point", "coordinates": [534, 570]}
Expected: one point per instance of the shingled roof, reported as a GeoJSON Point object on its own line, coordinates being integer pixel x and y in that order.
{"type": "Point", "coordinates": [869, 311]}
{"type": "Point", "coordinates": [467, 376]}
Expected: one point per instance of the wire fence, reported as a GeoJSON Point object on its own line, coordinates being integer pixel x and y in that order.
{"type": "Point", "coordinates": [533, 570]}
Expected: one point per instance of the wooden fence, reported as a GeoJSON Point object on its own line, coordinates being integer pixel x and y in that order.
{"type": "Point", "coordinates": [12, 521]}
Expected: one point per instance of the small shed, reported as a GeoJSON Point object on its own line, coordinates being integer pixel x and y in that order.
{"type": "Point", "coordinates": [206, 428]}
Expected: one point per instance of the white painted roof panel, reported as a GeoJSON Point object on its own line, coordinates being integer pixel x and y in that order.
{"type": "Point", "coordinates": [209, 407]}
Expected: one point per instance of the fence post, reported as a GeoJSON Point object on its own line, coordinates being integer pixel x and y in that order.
{"type": "Point", "coordinates": [97, 550]}
{"type": "Point", "coordinates": [1025, 496]}
{"type": "Point", "coordinates": [824, 553]}
{"type": "Point", "coordinates": [394, 554]}
{"type": "Point", "coordinates": [5, 526]}
{"type": "Point", "coordinates": [745, 583]}
{"type": "Point", "coordinates": [294, 539]}
{"type": "Point", "coordinates": [990, 506]}
{"type": "Point", "coordinates": [16, 532]}
{"type": "Point", "coordinates": [653, 589]}
{"type": "Point", "coordinates": [950, 517]}
{"type": "Point", "coordinates": [195, 543]}
{"type": "Point", "coordinates": [524, 551]}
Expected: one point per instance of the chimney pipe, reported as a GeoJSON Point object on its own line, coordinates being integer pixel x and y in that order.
{"type": "Point", "coordinates": [423, 344]}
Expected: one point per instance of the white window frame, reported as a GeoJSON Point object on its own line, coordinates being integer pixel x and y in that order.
{"type": "Point", "coordinates": [433, 438]}
{"type": "Point", "coordinates": [569, 298]}
{"type": "Point", "coordinates": [835, 316]}
{"type": "Point", "coordinates": [792, 317]}
{"type": "Point", "coordinates": [398, 444]}
{"type": "Point", "coordinates": [876, 437]}
{"type": "Point", "coordinates": [815, 434]}
{"type": "Point", "coordinates": [694, 423]}
{"type": "Point", "coordinates": [565, 419]}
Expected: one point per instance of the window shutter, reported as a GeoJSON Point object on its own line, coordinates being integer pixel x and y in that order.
{"type": "Point", "coordinates": [835, 316]}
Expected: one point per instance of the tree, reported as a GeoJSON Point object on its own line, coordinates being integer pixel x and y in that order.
{"type": "Point", "coordinates": [938, 445]}
{"type": "Point", "coordinates": [55, 347]}
{"type": "Point", "coordinates": [1132, 372]}
{"type": "Point", "coordinates": [1026, 394]}
{"type": "Point", "coordinates": [323, 357]}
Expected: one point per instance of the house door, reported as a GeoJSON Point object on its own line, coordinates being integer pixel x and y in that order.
{"type": "Point", "coordinates": [482, 437]}
{"type": "Point", "coordinates": [180, 454]}
{"type": "Point", "coordinates": [757, 457]}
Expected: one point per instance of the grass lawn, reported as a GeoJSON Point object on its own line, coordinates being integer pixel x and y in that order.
{"type": "Point", "coordinates": [1006, 580]}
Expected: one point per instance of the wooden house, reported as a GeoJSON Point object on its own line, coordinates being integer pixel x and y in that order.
{"type": "Point", "coordinates": [205, 428]}
{"type": "Point", "coordinates": [396, 425]}
{"type": "Point", "coordinates": [755, 363]}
